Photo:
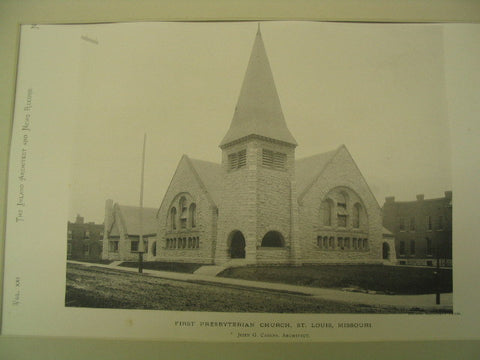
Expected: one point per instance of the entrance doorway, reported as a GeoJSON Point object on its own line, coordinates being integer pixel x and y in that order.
{"type": "Point", "coordinates": [237, 245]}
{"type": "Point", "coordinates": [386, 251]}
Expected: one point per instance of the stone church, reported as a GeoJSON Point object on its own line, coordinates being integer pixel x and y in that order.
{"type": "Point", "coordinates": [261, 205]}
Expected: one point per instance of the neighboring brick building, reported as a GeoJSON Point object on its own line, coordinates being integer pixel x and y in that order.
{"type": "Point", "coordinates": [261, 204]}
{"type": "Point", "coordinates": [84, 240]}
{"type": "Point", "coordinates": [122, 232]}
{"type": "Point", "coordinates": [422, 228]}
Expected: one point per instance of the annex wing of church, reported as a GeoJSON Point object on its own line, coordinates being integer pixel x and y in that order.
{"type": "Point", "coordinates": [263, 206]}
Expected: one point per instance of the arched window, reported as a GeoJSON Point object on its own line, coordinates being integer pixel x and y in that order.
{"type": "Point", "coordinates": [341, 200]}
{"type": "Point", "coordinates": [341, 210]}
{"type": "Point", "coordinates": [327, 212]}
{"type": "Point", "coordinates": [193, 215]}
{"type": "Point", "coordinates": [183, 212]}
{"type": "Point", "coordinates": [272, 239]}
{"type": "Point", "coordinates": [356, 215]}
{"type": "Point", "coordinates": [340, 243]}
{"type": "Point", "coordinates": [173, 218]}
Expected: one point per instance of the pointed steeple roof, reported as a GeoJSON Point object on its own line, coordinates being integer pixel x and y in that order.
{"type": "Point", "coordinates": [258, 111]}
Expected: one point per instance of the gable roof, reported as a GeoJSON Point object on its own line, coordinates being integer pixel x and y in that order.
{"type": "Point", "coordinates": [386, 232]}
{"type": "Point", "coordinates": [258, 111]}
{"type": "Point", "coordinates": [308, 169]}
{"type": "Point", "coordinates": [210, 175]}
{"type": "Point", "coordinates": [130, 220]}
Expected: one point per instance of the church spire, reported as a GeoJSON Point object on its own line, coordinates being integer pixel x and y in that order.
{"type": "Point", "coordinates": [258, 111]}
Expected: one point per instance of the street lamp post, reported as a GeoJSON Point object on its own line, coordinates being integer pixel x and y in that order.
{"type": "Point", "coordinates": [437, 272]}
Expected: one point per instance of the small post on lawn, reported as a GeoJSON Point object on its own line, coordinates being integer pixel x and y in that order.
{"type": "Point", "coordinates": [140, 243]}
{"type": "Point", "coordinates": [437, 273]}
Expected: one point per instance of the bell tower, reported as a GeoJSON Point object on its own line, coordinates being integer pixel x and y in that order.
{"type": "Point", "coordinates": [258, 156]}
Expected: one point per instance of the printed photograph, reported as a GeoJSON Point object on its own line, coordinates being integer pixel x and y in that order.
{"type": "Point", "coordinates": [261, 167]}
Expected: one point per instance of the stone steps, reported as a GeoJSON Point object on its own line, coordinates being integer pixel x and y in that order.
{"type": "Point", "coordinates": [115, 263]}
{"type": "Point", "coordinates": [209, 270]}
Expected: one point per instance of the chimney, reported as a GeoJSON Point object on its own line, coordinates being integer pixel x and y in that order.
{"type": "Point", "coordinates": [108, 217]}
{"type": "Point", "coordinates": [79, 219]}
{"type": "Point", "coordinates": [420, 197]}
{"type": "Point", "coordinates": [448, 194]}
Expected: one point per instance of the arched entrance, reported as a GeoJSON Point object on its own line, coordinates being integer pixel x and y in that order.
{"type": "Point", "coordinates": [273, 239]}
{"type": "Point", "coordinates": [237, 245]}
{"type": "Point", "coordinates": [386, 251]}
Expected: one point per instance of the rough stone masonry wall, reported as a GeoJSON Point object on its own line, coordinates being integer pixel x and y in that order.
{"type": "Point", "coordinates": [237, 209]}
{"type": "Point", "coordinates": [341, 172]}
{"type": "Point", "coordinates": [185, 182]}
{"type": "Point", "coordinates": [274, 207]}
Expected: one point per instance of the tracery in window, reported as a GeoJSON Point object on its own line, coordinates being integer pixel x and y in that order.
{"type": "Point", "coordinates": [185, 217]}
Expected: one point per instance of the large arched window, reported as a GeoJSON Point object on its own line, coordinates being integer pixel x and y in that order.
{"type": "Point", "coordinates": [193, 215]}
{"type": "Point", "coordinates": [173, 218]}
{"type": "Point", "coordinates": [182, 213]}
{"type": "Point", "coordinates": [273, 239]}
{"type": "Point", "coordinates": [326, 211]}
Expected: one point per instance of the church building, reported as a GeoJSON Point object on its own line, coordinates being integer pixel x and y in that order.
{"type": "Point", "coordinates": [261, 205]}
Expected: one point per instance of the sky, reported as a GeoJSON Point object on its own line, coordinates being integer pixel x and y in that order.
{"type": "Point", "coordinates": [377, 88]}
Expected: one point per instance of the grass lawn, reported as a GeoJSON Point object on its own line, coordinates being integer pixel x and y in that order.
{"type": "Point", "coordinates": [108, 288]}
{"type": "Point", "coordinates": [379, 278]}
{"type": "Point", "coordinates": [165, 266]}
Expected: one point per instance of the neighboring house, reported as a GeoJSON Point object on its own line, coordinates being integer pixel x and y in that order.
{"type": "Point", "coordinates": [123, 225]}
{"type": "Point", "coordinates": [422, 228]}
{"type": "Point", "coordinates": [261, 204]}
{"type": "Point", "coordinates": [84, 240]}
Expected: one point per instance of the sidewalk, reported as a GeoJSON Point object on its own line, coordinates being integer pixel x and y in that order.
{"type": "Point", "coordinates": [403, 301]}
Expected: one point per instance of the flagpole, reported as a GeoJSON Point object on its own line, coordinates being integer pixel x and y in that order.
{"type": "Point", "coordinates": [140, 244]}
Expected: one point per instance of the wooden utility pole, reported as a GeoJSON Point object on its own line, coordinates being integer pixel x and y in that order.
{"type": "Point", "coordinates": [141, 248]}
